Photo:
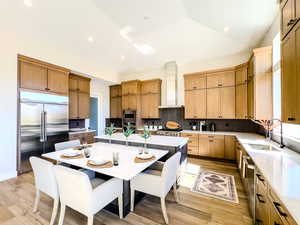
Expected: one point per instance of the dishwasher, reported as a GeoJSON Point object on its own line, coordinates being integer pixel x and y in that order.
{"type": "Point", "coordinates": [248, 177]}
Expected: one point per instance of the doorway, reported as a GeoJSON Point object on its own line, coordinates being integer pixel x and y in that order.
{"type": "Point", "coordinates": [94, 114]}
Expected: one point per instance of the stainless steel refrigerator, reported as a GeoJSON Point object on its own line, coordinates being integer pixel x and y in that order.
{"type": "Point", "coordinates": [44, 121]}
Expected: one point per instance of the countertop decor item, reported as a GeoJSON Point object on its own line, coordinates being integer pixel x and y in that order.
{"type": "Point", "coordinates": [127, 131]}
{"type": "Point", "coordinates": [110, 131]}
{"type": "Point", "coordinates": [172, 125]}
{"type": "Point", "coordinates": [146, 135]}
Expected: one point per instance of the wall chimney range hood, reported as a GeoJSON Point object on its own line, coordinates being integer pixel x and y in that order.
{"type": "Point", "coordinates": [170, 94]}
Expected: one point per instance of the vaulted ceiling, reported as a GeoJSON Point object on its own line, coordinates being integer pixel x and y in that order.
{"type": "Point", "coordinates": [132, 35]}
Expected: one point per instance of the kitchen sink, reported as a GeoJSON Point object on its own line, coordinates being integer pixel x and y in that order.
{"type": "Point", "coordinates": [263, 147]}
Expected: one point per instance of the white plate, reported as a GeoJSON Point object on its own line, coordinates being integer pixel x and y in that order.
{"type": "Point", "coordinates": [98, 161]}
{"type": "Point", "coordinates": [145, 156]}
{"type": "Point", "coordinates": [72, 153]}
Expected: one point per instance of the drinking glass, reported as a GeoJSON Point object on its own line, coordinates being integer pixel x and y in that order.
{"type": "Point", "coordinates": [146, 150]}
{"type": "Point", "coordinates": [116, 158]}
{"type": "Point", "coordinates": [141, 150]}
{"type": "Point", "coordinates": [87, 152]}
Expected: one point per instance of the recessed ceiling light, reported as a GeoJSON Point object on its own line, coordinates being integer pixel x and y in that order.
{"type": "Point", "coordinates": [91, 39]}
{"type": "Point", "coordinates": [144, 49]}
{"type": "Point", "coordinates": [122, 57]}
{"type": "Point", "coordinates": [28, 3]}
{"type": "Point", "coordinates": [226, 28]}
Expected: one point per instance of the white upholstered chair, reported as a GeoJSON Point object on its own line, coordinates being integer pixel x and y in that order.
{"type": "Point", "coordinates": [157, 181]}
{"type": "Point", "coordinates": [86, 196]}
{"type": "Point", "coordinates": [45, 182]}
{"type": "Point", "coordinates": [71, 144]}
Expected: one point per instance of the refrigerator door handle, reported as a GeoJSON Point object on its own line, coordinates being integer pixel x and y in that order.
{"type": "Point", "coordinates": [45, 126]}
{"type": "Point", "coordinates": [42, 128]}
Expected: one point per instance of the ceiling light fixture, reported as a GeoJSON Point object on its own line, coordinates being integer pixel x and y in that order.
{"type": "Point", "coordinates": [226, 28]}
{"type": "Point", "coordinates": [90, 39]}
{"type": "Point", "coordinates": [122, 57]}
{"type": "Point", "coordinates": [144, 49]}
{"type": "Point", "coordinates": [28, 3]}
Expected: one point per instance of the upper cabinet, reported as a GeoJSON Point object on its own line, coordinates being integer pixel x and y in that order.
{"type": "Point", "coordinates": [194, 81]}
{"type": "Point", "coordinates": [290, 14]}
{"type": "Point", "coordinates": [131, 87]}
{"type": "Point", "coordinates": [221, 79]}
{"type": "Point", "coordinates": [41, 76]}
{"type": "Point", "coordinates": [131, 95]}
{"type": "Point", "coordinates": [150, 98]}
{"type": "Point", "coordinates": [260, 97]}
{"type": "Point", "coordinates": [79, 97]}
{"type": "Point", "coordinates": [115, 101]}
{"type": "Point", "coordinates": [241, 89]}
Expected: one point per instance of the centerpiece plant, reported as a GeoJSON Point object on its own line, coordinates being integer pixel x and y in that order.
{"type": "Point", "coordinates": [146, 135]}
{"type": "Point", "coordinates": [110, 131]}
{"type": "Point", "coordinates": [127, 131]}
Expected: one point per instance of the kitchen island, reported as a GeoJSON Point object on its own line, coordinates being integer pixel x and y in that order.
{"type": "Point", "coordinates": [167, 143]}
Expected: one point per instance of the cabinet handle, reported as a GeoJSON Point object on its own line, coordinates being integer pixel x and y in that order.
{"type": "Point", "coordinates": [211, 140]}
{"type": "Point", "coordinates": [47, 89]}
{"type": "Point", "coordinates": [291, 119]}
{"type": "Point", "coordinates": [211, 136]}
{"type": "Point", "coordinates": [194, 87]}
{"type": "Point", "coordinates": [219, 85]}
{"type": "Point", "coordinates": [279, 210]}
{"type": "Point", "coordinates": [259, 197]}
{"type": "Point", "coordinates": [275, 223]}
{"type": "Point", "coordinates": [258, 222]}
{"type": "Point", "coordinates": [259, 177]}
{"type": "Point", "coordinates": [292, 21]}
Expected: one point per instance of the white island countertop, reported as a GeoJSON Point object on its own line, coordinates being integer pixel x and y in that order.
{"type": "Point", "coordinates": [153, 140]}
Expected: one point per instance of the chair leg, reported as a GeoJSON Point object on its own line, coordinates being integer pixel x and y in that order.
{"type": "Point", "coordinates": [132, 200]}
{"type": "Point", "coordinates": [175, 193]}
{"type": "Point", "coordinates": [37, 200]}
{"type": "Point", "coordinates": [120, 203]}
{"type": "Point", "coordinates": [62, 214]}
{"type": "Point", "coordinates": [54, 211]}
{"type": "Point", "coordinates": [164, 210]}
{"type": "Point", "coordinates": [90, 220]}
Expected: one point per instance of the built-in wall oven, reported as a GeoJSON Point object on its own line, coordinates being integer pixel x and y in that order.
{"type": "Point", "coordinates": [129, 117]}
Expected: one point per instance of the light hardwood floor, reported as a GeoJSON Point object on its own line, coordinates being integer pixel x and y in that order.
{"type": "Point", "coordinates": [17, 196]}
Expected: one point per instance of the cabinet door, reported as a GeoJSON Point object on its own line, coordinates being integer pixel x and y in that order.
{"type": "Point", "coordinates": [84, 105]}
{"type": "Point", "coordinates": [115, 91]}
{"type": "Point", "coordinates": [250, 98]}
{"type": "Point", "coordinates": [73, 83]}
{"type": "Point", "coordinates": [241, 76]}
{"type": "Point", "coordinates": [227, 95]}
{"type": "Point", "coordinates": [216, 146]}
{"type": "Point", "coordinates": [213, 81]}
{"type": "Point", "coordinates": [132, 102]}
{"type": "Point", "coordinates": [145, 106]}
{"type": "Point", "coordinates": [287, 16]}
{"type": "Point", "coordinates": [189, 104]}
{"type": "Point", "coordinates": [274, 217]}
{"type": "Point", "coordinates": [227, 78]}
{"type": "Point", "coordinates": [125, 102]}
{"type": "Point", "coordinates": [33, 76]}
{"type": "Point", "coordinates": [84, 85]}
{"type": "Point", "coordinates": [194, 82]}
{"type": "Point", "coordinates": [73, 105]}
{"type": "Point", "coordinates": [230, 148]}
{"type": "Point", "coordinates": [203, 145]}
{"type": "Point", "coordinates": [153, 102]}
{"type": "Point", "coordinates": [58, 82]}
{"type": "Point", "coordinates": [241, 107]}
{"type": "Point", "coordinates": [199, 102]}
{"type": "Point", "coordinates": [213, 103]}
{"type": "Point", "coordinates": [261, 207]}
{"type": "Point", "coordinates": [115, 107]}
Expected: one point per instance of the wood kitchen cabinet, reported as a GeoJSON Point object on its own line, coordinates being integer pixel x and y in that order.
{"type": "Point", "coordinates": [230, 147]}
{"type": "Point", "coordinates": [79, 97]}
{"type": "Point", "coordinates": [290, 14]}
{"type": "Point", "coordinates": [241, 90]}
{"type": "Point", "coordinates": [193, 143]}
{"type": "Point", "coordinates": [131, 91]}
{"type": "Point", "coordinates": [41, 76]}
{"type": "Point", "coordinates": [132, 87]}
{"type": "Point", "coordinates": [88, 137]}
{"type": "Point", "coordinates": [221, 79]}
{"type": "Point", "coordinates": [216, 146]}
{"type": "Point", "coordinates": [115, 101]}
{"type": "Point", "coordinates": [150, 98]}
{"type": "Point", "coordinates": [260, 96]}
{"type": "Point", "coordinates": [194, 81]}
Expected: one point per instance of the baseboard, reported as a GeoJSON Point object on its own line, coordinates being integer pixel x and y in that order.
{"type": "Point", "coordinates": [8, 175]}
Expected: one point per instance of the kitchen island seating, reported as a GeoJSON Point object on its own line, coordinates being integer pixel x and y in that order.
{"type": "Point", "coordinates": [45, 182]}
{"type": "Point", "coordinates": [86, 196]}
{"type": "Point", "coordinates": [69, 145]}
{"type": "Point", "coordinates": [158, 182]}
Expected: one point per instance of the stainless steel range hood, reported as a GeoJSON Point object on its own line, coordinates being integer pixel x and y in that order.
{"type": "Point", "coordinates": [170, 94]}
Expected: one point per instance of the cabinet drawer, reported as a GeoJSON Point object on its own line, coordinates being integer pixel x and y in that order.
{"type": "Point", "coordinates": [193, 150]}
{"type": "Point", "coordinates": [189, 135]}
{"type": "Point", "coordinates": [261, 207]}
{"type": "Point", "coordinates": [261, 182]}
{"type": "Point", "coordinates": [280, 209]}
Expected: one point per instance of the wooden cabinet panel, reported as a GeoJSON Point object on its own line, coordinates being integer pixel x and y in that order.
{"type": "Point", "coordinates": [203, 145]}
{"type": "Point", "coordinates": [189, 104]}
{"type": "Point", "coordinates": [230, 147]}
{"type": "Point", "coordinates": [151, 86]}
{"type": "Point", "coordinates": [154, 102]}
{"type": "Point", "coordinates": [227, 79]}
{"type": "Point", "coordinates": [132, 102]}
{"type": "Point", "coordinates": [227, 100]}
{"type": "Point", "coordinates": [73, 105]}
{"type": "Point", "coordinates": [192, 82]}
{"type": "Point", "coordinates": [241, 76]}
{"type": "Point", "coordinates": [287, 16]}
{"type": "Point", "coordinates": [193, 145]}
{"type": "Point", "coordinates": [83, 105]}
{"type": "Point", "coordinates": [73, 83]}
{"type": "Point", "coordinates": [195, 104]}
{"type": "Point", "coordinates": [125, 102]}
{"type": "Point", "coordinates": [275, 218]}
{"type": "Point", "coordinates": [216, 146]}
{"type": "Point", "coordinates": [145, 107]}
{"type": "Point", "coordinates": [83, 137]}
{"type": "Point", "coordinates": [33, 76]}
{"type": "Point", "coordinates": [116, 107]}
{"type": "Point", "coordinates": [150, 98]}
{"type": "Point", "coordinates": [241, 99]}
{"type": "Point", "coordinates": [84, 85]}
{"type": "Point", "coordinates": [115, 91]}
{"type": "Point", "coordinates": [250, 99]}
{"type": "Point", "coordinates": [213, 103]}
{"type": "Point", "coordinates": [58, 82]}
{"type": "Point", "coordinates": [213, 81]}
{"type": "Point", "coordinates": [130, 87]}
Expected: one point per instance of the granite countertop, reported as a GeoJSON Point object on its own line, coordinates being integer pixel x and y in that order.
{"type": "Point", "coordinates": [281, 167]}
{"type": "Point", "coordinates": [154, 139]}
{"type": "Point", "coordinates": [82, 131]}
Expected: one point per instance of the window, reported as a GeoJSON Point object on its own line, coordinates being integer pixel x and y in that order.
{"type": "Point", "coordinates": [289, 130]}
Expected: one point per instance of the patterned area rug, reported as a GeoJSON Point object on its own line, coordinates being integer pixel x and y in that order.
{"type": "Point", "coordinates": [216, 185]}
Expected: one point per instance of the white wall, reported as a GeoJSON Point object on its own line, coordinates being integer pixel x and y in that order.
{"type": "Point", "coordinates": [226, 61]}
{"type": "Point", "coordinates": [271, 33]}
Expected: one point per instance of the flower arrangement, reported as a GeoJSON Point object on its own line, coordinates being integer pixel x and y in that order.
{"type": "Point", "coordinates": [110, 131]}
{"type": "Point", "coordinates": [127, 131]}
{"type": "Point", "coordinates": [146, 135]}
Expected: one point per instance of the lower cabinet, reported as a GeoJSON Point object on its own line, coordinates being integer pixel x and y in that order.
{"type": "Point", "coordinates": [88, 137]}
{"type": "Point", "coordinates": [216, 146]}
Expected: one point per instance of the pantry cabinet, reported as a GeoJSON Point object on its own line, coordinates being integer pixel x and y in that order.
{"type": "Point", "coordinates": [40, 76]}
{"type": "Point", "coordinates": [150, 98]}
{"type": "Point", "coordinates": [79, 97]}
{"type": "Point", "coordinates": [115, 101]}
